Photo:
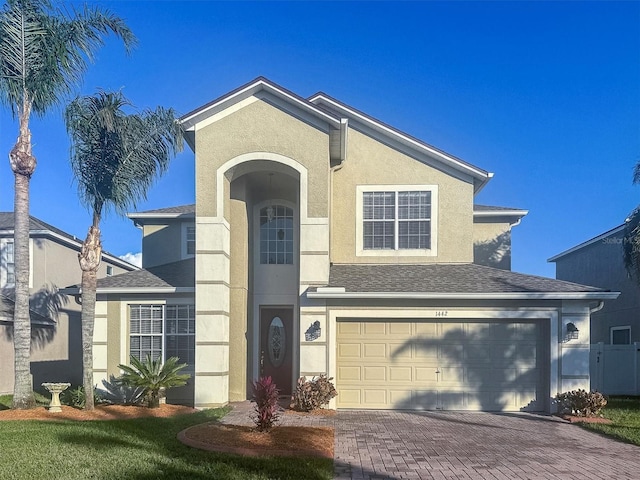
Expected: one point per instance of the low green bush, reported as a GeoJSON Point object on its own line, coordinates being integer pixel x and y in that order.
{"type": "Point", "coordinates": [312, 394]}
{"type": "Point", "coordinates": [74, 397]}
{"type": "Point", "coordinates": [581, 403]}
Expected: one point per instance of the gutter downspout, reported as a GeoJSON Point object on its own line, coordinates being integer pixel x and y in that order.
{"type": "Point", "coordinates": [344, 126]}
{"type": "Point", "coordinates": [597, 308]}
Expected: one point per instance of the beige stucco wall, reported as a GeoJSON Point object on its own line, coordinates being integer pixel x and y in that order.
{"type": "Point", "coordinates": [261, 127]}
{"type": "Point", "coordinates": [370, 162]}
{"type": "Point", "coordinates": [162, 242]}
{"type": "Point", "coordinates": [492, 244]}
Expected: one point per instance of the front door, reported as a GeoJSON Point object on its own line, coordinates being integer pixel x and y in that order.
{"type": "Point", "coordinates": [276, 340]}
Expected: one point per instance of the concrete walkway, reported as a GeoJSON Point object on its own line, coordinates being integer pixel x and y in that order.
{"type": "Point", "coordinates": [385, 445]}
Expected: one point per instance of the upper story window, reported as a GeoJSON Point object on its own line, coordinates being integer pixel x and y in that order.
{"type": "Point", "coordinates": [109, 270]}
{"type": "Point", "coordinates": [188, 240]}
{"type": "Point", "coordinates": [276, 235]}
{"type": "Point", "coordinates": [191, 240]}
{"type": "Point", "coordinates": [9, 263]}
{"type": "Point", "coordinates": [396, 220]}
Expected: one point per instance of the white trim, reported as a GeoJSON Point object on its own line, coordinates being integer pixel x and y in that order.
{"type": "Point", "coordinates": [500, 213]}
{"type": "Point", "coordinates": [274, 157]}
{"type": "Point", "coordinates": [134, 215]}
{"type": "Point", "coordinates": [133, 290]}
{"type": "Point", "coordinates": [183, 240]}
{"type": "Point", "coordinates": [588, 242]}
{"type": "Point", "coordinates": [612, 329]}
{"type": "Point", "coordinates": [322, 293]}
{"type": "Point", "coordinates": [192, 120]}
{"type": "Point", "coordinates": [397, 252]}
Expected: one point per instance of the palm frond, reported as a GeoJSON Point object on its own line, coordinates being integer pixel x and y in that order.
{"type": "Point", "coordinates": [117, 156]}
{"type": "Point", "coordinates": [44, 51]}
{"type": "Point", "coordinates": [631, 244]}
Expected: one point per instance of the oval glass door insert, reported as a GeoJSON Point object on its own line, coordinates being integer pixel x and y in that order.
{"type": "Point", "coordinates": [276, 342]}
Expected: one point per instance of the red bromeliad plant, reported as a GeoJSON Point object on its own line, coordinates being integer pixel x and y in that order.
{"type": "Point", "coordinates": [265, 396]}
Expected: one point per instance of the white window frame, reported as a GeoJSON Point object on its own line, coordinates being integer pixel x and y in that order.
{"type": "Point", "coordinates": [109, 270]}
{"type": "Point", "coordinates": [164, 334]}
{"type": "Point", "coordinates": [616, 329]}
{"type": "Point", "coordinates": [397, 252]}
{"type": "Point", "coordinates": [185, 240]}
{"type": "Point", "coordinates": [3, 270]}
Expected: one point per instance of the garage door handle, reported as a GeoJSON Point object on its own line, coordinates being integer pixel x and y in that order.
{"type": "Point", "coordinates": [437, 370]}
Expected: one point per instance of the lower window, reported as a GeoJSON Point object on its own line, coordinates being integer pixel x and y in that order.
{"type": "Point", "coordinates": [621, 335]}
{"type": "Point", "coordinates": [162, 331]}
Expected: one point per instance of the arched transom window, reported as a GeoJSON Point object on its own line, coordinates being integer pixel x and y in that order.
{"type": "Point", "coordinates": [276, 235]}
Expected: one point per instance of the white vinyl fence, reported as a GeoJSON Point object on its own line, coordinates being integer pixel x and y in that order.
{"type": "Point", "coordinates": [615, 369]}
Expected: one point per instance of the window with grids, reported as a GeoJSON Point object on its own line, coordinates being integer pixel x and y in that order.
{"type": "Point", "coordinates": [9, 263]}
{"type": "Point", "coordinates": [162, 331]}
{"type": "Point", "coordinates": [276, 235]}
{"type": "Point", "coordinates": [396, 220]}
{"type": "Point", "coordinates": [190, 240]}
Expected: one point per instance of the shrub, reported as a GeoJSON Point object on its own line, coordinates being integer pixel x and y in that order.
{"type": "Point", "coordinates": [312, 394]}
{"type": "Point", "coordinates": [267, 410]}
{"type": "Point", "coordinates": [153, 376]}
{"type": "Point", "coordinates": [581, 403]}
{"type": "Point", "coordinates": [116, 391]}
{"type": "Point", "coordinates": [74, 397]}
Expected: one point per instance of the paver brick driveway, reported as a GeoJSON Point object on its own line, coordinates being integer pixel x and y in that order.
{"type": "Point", "coordinates": [424, 445]}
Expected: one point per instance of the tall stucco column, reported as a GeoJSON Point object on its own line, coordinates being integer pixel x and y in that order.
{"type": "Point", "coordinates": [212, 312]}
{"type": "Point", "coordinates": [575, 346]}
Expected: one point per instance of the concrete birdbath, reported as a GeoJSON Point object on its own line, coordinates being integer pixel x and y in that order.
{"type": "Point", "coordinates": [55, 389]}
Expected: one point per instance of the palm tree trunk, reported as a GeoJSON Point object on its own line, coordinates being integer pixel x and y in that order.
{"type": "Point", "coordinates": [23, 164]}
{"type": "Point", "coordinates": [89, 258]}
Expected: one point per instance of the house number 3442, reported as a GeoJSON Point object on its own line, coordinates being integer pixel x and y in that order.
{"type": "Point", "coordinates": [442, 313]}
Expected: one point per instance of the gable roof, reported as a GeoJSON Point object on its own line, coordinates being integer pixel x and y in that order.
{"type": "Point", "coordinates": [447, 281]}
{"type": "Point", "coordinates": [39, 228]}
{"type": "Point", "coordinates": [167, 278]}
{"type": "Point", "coordinates": [258, 87]}
{"type": "Point", "coordinates": [7, 306]}
{"type": "Point", "coordinates": [338, 116]}
{"type": "Point", "coordinates": [179, 211]}
{"type": "Point", "coordinates": [381, 129]}
{"type": "Point", "coordinates": [580, 246]}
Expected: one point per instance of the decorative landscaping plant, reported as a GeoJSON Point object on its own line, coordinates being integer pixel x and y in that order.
{"type": "Point", "coordinates": [581, 403]}
{"type": "Point", "coordinates": [116, 391]}
{"type": "Point", "coordinates": [153, 376]}
{"type": "Point", "coordinates": [75, 397]}
{"type": "Point", "coordinates": [312, 394]}
{"type": "Point", "coordinates": [267, 410]}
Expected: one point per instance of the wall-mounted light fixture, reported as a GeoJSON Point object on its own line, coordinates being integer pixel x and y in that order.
{"type": "Point", "coordinates": [313, 332]}
{"type": "Point", "coordinates": [572, 331]}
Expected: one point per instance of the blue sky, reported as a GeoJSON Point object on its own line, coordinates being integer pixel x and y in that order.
{"type": "Point", "coordinates": [544, 94]}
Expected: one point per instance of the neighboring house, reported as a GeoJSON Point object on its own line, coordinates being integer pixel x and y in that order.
{"type": "Point", "coordinates": [325, 241]}
{"type": "Point", "coordinates": [56, 349]}
{"type": "Point", "coordinates": [599, 262]}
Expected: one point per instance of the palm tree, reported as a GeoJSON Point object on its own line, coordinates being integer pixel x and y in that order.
{"type": "Point", "coordinates": [631, 243]}
{"type": "Point", "coordinates": [115, 157]}
{"type": "Point", "coordinates": [43, 53]}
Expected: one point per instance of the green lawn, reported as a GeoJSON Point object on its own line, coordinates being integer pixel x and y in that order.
{"type": "Point", "coordinates": [625, 413]}
{"type": "Point", "coordinates": [133, 449]}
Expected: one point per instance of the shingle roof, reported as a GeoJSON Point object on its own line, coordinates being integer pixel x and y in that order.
{"type": "Point", "coordinates": [180, 209]}
{"type": "Point", "coordinates": [492, 208]}
{"type": "Point", "coordinates": [6, 313]}
{"type": "Point", "coordinates": [175, 274]}
{"type": "Point", "coordinates": [7, 222]}
{"type": "Point", "coordinates": [441, 278]}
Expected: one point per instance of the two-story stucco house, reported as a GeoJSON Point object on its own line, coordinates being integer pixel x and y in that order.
{"type": "Point", "coordinates": [56, 347]}
{"type": "Point", "coordinates": [599, 261]}
{"type": "Point", "coordinates": [325, 241]}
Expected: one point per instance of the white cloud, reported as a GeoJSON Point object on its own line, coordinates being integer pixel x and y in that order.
{"type": "Point", "coordinates": [135, 258]}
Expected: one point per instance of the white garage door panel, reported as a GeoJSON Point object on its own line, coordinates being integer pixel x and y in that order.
{"type": "Point", "coordinates": [461, 365]}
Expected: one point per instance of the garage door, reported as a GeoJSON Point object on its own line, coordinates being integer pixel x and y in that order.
{"type": "Point", "coordinates": [462, 365]}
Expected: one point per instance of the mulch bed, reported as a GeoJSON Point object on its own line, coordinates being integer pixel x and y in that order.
{"type": "Point", "coordinates": [575, 419]}
{"type": "Point", "coordinates": [243, 440]}
{"type": "Point", "coordinates": [102, 412]}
